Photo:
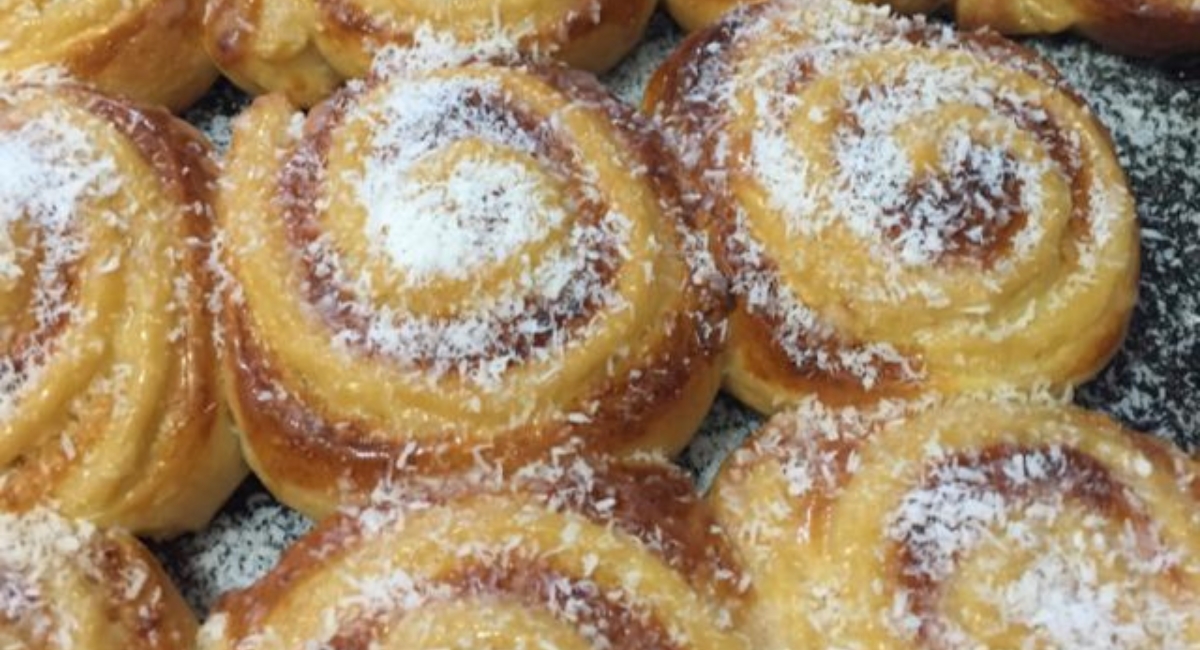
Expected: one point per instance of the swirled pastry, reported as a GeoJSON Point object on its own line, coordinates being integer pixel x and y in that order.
{"type": "Point", "coordinates": [970, 525]}
{"type": "Point", "coordinates": [68, 585]}
{"type": "Point", "coordinates": [453, 263]}
{"type": "Point", "coordinates": [109, 397]}
{"type": "Point", "coordinates": [568, 554]}
{"type": "Point", "coordinates": [148, 50]}
{"type": "Point", "coordinates": [304, 48]}
{"type": "Point", "coordinates": [901, 207]}
{"type": "Point", "coordinates": [1142, 28]}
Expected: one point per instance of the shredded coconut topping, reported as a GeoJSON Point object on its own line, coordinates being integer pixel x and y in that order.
{"type": "Point", "coordinates": [927, 149]}
{"type": "Point", "coordinates": [873, 190]}
{"type": "Point", "coordinates": [37, 543]}
{"type": "Point", "coordinates": [484, 210]}
{"type": "Point", "coordinates": [1067, 595]}
{"type": "Point", "coordinates": [436, 49]}
{"type": "Point", "coordinates": [1155, 385]}
{"type": "Point", "coordinates": [445, 37]}
{"type": "Point", "coordinates": [34, 550]}
{"type": "Point", "coordinates": [1044, 546]}
{"type": "Point", "coordinates": [562, 549]}
{"type": "Point", "coordinates": [458, 183]}
{"type": "Point", "coordinates": [48, 170]}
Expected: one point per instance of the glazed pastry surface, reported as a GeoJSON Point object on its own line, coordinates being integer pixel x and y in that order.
{"type": "Point", "coordinates": [973, 524]}
{"type": "Point", "coordinates": [305, 48]}
{"type": "Point", "coordinates": [66, 585]}
{"type": "Point", "coordinates": [455, 262]}
{"type": "Point", "coordinates": [1151, 28]}
{"type": "Point", "coordinates": [901, 207]}
{"type": "Point", "coordinates": [110, 406]}
{"type": "Point", "coordinates": [565, 554]}
{"type": "Point", "coordinates": [147, 50]}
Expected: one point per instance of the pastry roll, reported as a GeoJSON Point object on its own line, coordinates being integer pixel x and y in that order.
{"type": "Point", "coordinates": [974, 524]}
{"type": "Point", "coordinates": [452, 263]}
{"type": "Point", "coordinates": [1151, 28]}
{"type": "Point", "coordinates": [693, 15]}
{"type": "Point", "coordinates": [569, 554]}
{"type": "Point", "coordinates": [67, 584]}
{"type": "Point", "coordinates": [901, 208]}
{"type": "Point", "coordinates": [148, 50]}
{"type": "Point", "coordinates": [304, 48]}
{"type": "Point", "coordinates": [110, 406]}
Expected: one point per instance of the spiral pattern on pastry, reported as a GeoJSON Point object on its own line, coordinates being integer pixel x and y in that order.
{"type": "Point", "coordinates": [974, 524]}
{"type": "Point", "coordinates": [66, 585]}
{"type": "Point", "coordinates": [109, 396]}
{"type": "Point", "coordinates": [565, 554]}
{"type": "Point", "coordinates": [1153, 28]}
{"type": "Point", "coordinates": [147, 50]}
{"type": "Point", "coordinates": [456, 262]}
{"type": "Point", "coordinates": [304, 48]}
{"type": "Point", "coordinates": [901, 207]}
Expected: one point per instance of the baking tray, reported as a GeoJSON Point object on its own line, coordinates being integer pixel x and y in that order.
{"type": "Point", "coordinates": [1153, 384]}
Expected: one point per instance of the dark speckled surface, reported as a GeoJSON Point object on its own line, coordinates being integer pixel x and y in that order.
{"type": "Point", "coordinates": [1153, 385]}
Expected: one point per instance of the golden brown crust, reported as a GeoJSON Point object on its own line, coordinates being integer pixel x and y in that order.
{"type": "Point", "coordinates": [959, 524]}
{"type": "Point", "coordinates": [693, 15]}
{"type": "Point", "coordinates": [148, 50]}
{"type": "Point", "coordinates": [304, 48]}
{"type": "Point", "coordinates": [269, 48]}
{"type": "Point", "coordinates": [66, 585]}
{"type": "Point", "coordinates": [615, 555]}
{"type": "Point", "coordinates": [1155, 28]}
{"type": "Point", "coordinates": [853, 281]}
{"type": "Point", "coordinates": [637, 377]}
{"type": "Point", "coordinates": [126, 437]}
